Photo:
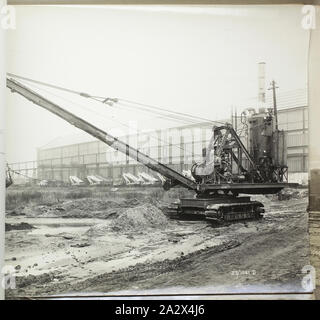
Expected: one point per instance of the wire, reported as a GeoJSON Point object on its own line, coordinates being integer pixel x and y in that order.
{"type": "Point", "coordinates": [290, 97]}
{"type": "Point", "coordinates": [102, 115]}
{"type": "Point", "coordinates": [114, 100]}
{"type": "Point", "coordinates": [291, 93]}
{"type": "Point", "coordinates": [161, 115]}
{"type": "Point", "coordinates": [82, 94]}
{"type": "Point", "coordinates": [170, 111]}
{"type": "Point", "coordinates": [285, 99]}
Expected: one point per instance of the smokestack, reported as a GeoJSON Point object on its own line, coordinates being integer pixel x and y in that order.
{"type": "Point", "coordinates": [262, 82]}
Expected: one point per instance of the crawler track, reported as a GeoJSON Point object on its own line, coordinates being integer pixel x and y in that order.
{"type": "Point", "coordinates": [217, 210]}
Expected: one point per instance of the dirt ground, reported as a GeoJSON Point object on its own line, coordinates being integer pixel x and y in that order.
{"type": "Point", "coordinates": [120, 242]}
{"type": "Point", "coordinates": [314, 236]}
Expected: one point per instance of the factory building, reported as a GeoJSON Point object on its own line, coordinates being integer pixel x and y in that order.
{"type": "Point", "coordinates": [177, 147]}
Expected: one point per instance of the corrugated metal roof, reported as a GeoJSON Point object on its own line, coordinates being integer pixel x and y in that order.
{"type": "Point", "coordinates": [81, 137]}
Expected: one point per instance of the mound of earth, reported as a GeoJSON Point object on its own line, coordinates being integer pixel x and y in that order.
{"type": "Point", "coordinates": [139, 218]}
{"type": "Point", "coordinates": [78, 208]}
{"type": "Point", "coordinates": [98, 230]}
{"type": "Point", "coordinates": [18, 226]}
{"type": "Point", "coordinates": [265, 199]}
{"type": "Point", "coordinates": [287, 194]}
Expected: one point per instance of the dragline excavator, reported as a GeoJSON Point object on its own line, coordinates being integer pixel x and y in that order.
{"type": "Point", "coordinates": [228, 168]}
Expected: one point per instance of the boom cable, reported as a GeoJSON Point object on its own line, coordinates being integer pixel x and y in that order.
{"type": "Point", "coordinates": [104, 116]}
{"type": "Point", "coordinates": [110, 101]}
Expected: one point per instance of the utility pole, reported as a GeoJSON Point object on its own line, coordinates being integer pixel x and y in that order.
{"type": "Point", "coordinates": [232, 116]}
{"type": "Point", "coordinates": [275, 111]}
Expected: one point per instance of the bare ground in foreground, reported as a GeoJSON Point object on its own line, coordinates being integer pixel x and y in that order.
{"type": "Point", "coordinates": [74, 247]}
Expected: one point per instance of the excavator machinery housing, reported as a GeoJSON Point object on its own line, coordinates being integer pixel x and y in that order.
{"type": "Point", "coordinates": [229, 169]}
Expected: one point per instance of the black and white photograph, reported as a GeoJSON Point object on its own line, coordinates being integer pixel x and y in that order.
{"type": "Point", "coordinates": [157, 150]}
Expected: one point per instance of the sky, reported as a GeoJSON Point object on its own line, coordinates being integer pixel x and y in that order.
{"type": "Point", "coordinates": [192, 59]}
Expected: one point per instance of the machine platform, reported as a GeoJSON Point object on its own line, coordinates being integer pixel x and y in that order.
{"type": "Point", "coordinates": [246, 188]}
